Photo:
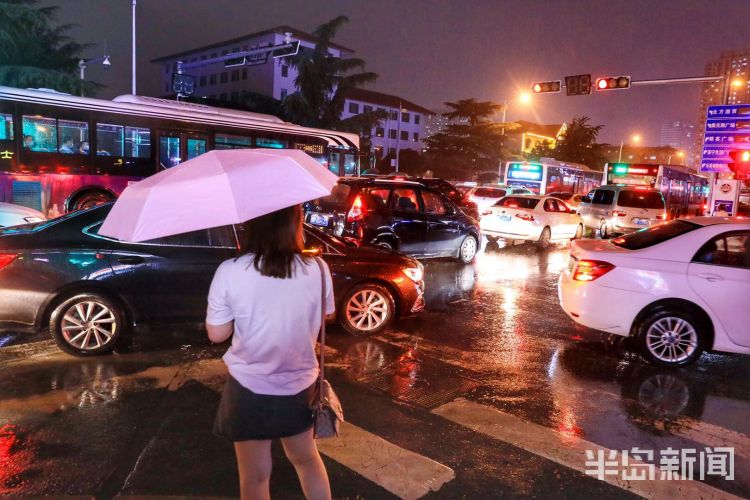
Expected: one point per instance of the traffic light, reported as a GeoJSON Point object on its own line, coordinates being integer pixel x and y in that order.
{"type": "Point", "coordinates": [578, 85]}
{"type": "Point", "coordinates": [613, 83]}
{"type": "Point", "coordinates": [542, 87]}
{"type": "Point", "coordinates": [740, 163]}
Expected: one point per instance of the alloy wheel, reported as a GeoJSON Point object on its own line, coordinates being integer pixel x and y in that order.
{"type": "Point", "coordinates": [88, 325]}
{"type": "Point", "coordinates": [671, 339]}
{"type": "Point", "coordinates": [367, 310]}
{"type": "Point", "coordinates": [468, 249]}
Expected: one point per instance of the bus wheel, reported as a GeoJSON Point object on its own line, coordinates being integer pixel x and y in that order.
{"type": "Point", "coordinates": [89, 199]}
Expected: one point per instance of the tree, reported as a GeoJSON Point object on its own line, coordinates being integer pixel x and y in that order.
{"type": "Point", "coordinates": [472, 145]}
{"type": "Point", "coordinates": [36, 53]}
{"type": "Point", "coordinates": [578, 144]}
{"type": "Point", "coordinates": [542, 149]}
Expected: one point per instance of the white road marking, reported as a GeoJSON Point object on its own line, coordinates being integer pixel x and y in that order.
{"type": "Point", "coordinates": [564, 450]}
{"type": "Point", "coordinates": [404, 473]}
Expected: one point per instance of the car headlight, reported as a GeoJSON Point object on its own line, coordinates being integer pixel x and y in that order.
{"type": "Point", "coordinates": [414, 273]}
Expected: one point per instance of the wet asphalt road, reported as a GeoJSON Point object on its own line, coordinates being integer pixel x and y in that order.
{"type": "Point", "coordinates": [489, 393]}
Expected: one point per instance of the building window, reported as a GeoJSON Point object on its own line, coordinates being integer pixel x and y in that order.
{"type": "Point", "coordinates": [284, 70]}
{"type": "Point", "coordinates": [244, 73]}
{"type": "Point", "coordinates": [235, 75]}
{"type": "Point", "coordinates": [353, 107]}
{"type": "Point", "coordinates": [392, 133]}
{"type": "Point", "coordinates": [404, 135]}
{"type": "Point", "coordinates": [382, 110]}
{"type": "Point", "coordinates": [405, 117]}
{"type": "Point", "coordinates": [416, 137]}
{"type": "Point", "coordinates": [379, 132]}
{"type": "Point", "coordinates": [203, 81]}
{"type": "Point", "coordinates": [394, 114]}
{"type": "Point", "coordinates": [212, 79]}
{"type": "Point", "coordinates": [416, 119]}
{"type": "Point", "coordinates": [283, 94]}
{"type": "Point", "coordinates": [223, 78]}
{"type": "Point", "coordinates": [367, 109]}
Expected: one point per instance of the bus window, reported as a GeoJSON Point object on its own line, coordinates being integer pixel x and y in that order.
{"type": "Point", "coordinates": [138, 142]}
{"type": "Point", "coordinates": [169, 152]}
{"type": "Point", "coordinates": [350, 164]}
{"type": "Point", "coordinates": [39, 133]}
{"type": "Point", "coordinates": [195, 147]}
{"type": "Point", "coordinates": [229, 141]}
{"type": "Point", "coordinates": [109, 139]}
{"type": "Point", "coordinates": [265, 142]}
{"type": "Point", "coordinates": [72, 137]}
{"type": "Point", "coordinates": [6, 127]}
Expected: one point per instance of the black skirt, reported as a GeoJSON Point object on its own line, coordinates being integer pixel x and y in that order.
{"type": "Point", "coordinates": [244, 415]}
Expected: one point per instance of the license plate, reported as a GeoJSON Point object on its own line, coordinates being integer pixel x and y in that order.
{"type": "Point", "coordinates": [319, 220]}
{"type": "Point", "coordinates": [640, 222]}
{"type": "Point", "coordinates": [503, 218]}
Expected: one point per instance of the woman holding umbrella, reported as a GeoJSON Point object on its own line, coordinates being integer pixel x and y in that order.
{"type": "Point", "coordinates": [269, 300]}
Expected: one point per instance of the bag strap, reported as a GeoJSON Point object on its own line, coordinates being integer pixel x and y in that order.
{"type": "Point", "coordinates": [322, 322]}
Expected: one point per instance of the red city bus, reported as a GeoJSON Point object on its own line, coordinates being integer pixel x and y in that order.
{"type": "Point", "coordinates": [685, 192]}
{"type": "Point", "coordinates": [60, 153]}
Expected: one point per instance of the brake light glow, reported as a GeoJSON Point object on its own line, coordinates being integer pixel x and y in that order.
{"type": "Point", "coordinates": [357, 211]}
{"type": "Point", "coordinates": [589, 270]}
{"type": "Point", "coordinates": [618, 213]}
{"type": "Point", "coordinates": [662, 216]}
{"type": "Point", "coordinates": [526, 217]}
{"type": "Point", "coordinates": [6, 258]}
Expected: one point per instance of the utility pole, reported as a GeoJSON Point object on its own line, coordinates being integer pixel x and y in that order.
{"type": "Point", "coordinates": [133, 53]}
{"type": "Point", "coordinates": [398, 136]}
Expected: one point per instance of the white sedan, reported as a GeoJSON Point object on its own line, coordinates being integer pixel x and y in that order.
{"type": "Point", "coordinates": [13, 215]}
{"type": "Point", "coordinates": [532, 218]}
{"type": "Point", "coordinates": [679, 288]}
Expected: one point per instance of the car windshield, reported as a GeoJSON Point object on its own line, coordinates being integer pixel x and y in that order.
{"type": "Point", "coordinates": [640, 199]}
{"type": "Point", "coordinates": [489, 193]}
{"type": "Point", "coordinates": [655, 235]}
{"type": "Point", "coordinates": [518, 202]}
{"type": "Point", "coordinates": [338, 195]}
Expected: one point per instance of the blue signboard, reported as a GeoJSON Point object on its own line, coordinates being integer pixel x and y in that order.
{"type": "Point", "coordinates": [727, 129]}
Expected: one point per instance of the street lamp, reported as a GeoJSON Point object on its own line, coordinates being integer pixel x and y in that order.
{"type": "Point", "coordinates": [680, 154]}
{"type": "Point", "coordinates": [636, 139]}
{"type": "Point", "coordinates": [523, 98]}
{"type": "Point", "coordinates": [104, 61]}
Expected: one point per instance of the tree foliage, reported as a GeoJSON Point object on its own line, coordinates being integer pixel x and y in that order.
{"type": "Point", "coordinates": [35, 52]}
{"type": "Point", "coordinates": [579, 145]}
{"type": "Point", "coordinates": [473, 144]}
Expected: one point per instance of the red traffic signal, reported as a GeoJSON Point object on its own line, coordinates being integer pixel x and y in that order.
{"type": "Point", "coordinates": [613, 83]}
{"type": "Point", "coordinates": [542, 87]}
{"type": "Point", "coordinates": [740, 163]}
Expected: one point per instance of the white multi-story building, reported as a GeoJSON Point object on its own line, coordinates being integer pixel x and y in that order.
{"type": "Point", "coordinates": [403, 129]}
{"type": "Point", "coordinates": [274, 77]}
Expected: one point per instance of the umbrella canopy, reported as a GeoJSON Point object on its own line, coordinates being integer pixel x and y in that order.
{"type": "Point", "coordinates": [216, 189]}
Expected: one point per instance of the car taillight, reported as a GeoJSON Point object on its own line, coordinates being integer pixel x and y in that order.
{"type": "Point", "coordinates": [357, 211]}
{"type": "Point", "coordinates": [6, 258]}
{"type": "Point", "coordinates": [618, 213]}
{"type": "Point", "coordinates": [662, 216]}
{"type": "Point", "coordinates": [526, 217]}
{"type": "Point", "coordinates": [589, 270]}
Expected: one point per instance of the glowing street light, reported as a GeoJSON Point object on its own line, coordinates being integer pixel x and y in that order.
{"type": "Point", "coordinates": [636, 138]}
{"type": "Point", "coordinates": [523, 98]}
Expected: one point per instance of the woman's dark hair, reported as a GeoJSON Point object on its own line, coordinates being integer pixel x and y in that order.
{"type": "Point", "coordinates": [272, 239]}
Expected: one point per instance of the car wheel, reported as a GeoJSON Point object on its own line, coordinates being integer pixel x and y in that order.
{"type": "Point", "coordinates": [87, 325]}
{"type": "Point", "coordinates": [468, 250]}
{"type": "Point", "coordinates": [384, 244]}
{"type": "Point", "coordinates": [579, 232]}
{"type": "Point", "coordinates": [603, 230]}
{"type": "Point", "coordinates": [671, 338]}
{"type": "Point", "coordinates": [544, 238]}
{"type": "Point", "coordinates": [367, 309]}
{"type": "Point", "coordinates": [90, 199]}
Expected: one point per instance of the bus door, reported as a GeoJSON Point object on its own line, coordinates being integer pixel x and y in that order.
{"type": "Point", "coordinates": [176, 147]}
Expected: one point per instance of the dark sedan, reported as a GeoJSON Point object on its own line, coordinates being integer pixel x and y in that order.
{"type": "Point", "coordinates": [90, 289]}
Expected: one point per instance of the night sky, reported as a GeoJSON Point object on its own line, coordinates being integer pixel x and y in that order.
{"type": "Point", "coordinates": [430, 51]}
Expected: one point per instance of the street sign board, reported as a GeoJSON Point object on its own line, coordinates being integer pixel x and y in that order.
{"type": "Point", "coordinates": [727, 129]}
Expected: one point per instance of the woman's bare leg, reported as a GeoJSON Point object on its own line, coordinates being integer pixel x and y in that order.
{"type": "Point", "coordinates": [254, 466]}
{"type": "Point", "coordinates": [303, 454]}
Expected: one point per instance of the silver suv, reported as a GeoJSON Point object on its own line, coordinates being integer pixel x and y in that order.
{"type": "Point", "coordinates": [622, 209]}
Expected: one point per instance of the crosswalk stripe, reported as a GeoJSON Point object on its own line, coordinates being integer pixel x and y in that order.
{"type": "Point", "coordinates": [564, 450]}
{"type": "Point", "coordinates": [404, 473]}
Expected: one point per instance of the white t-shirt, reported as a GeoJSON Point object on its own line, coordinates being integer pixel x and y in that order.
{"type": "Point", "coordinates": [276, 324]}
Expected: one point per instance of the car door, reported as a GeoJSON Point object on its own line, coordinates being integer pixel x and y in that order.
{"type": "Point", "coordinates": [552, 217]}
{"type": "Point", "coordinates": [443, 231]}
{"type": "Point", "coordinates": [601, 206]}
{"type": "Point", "coordinates": [168, 278]}
{"type": "Point", "coordinates": [566, 219]}
{"type": "Point", "coordinates": [720, 275]}
{"type": "Point", "coordinates": [407, 220]}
